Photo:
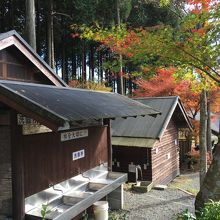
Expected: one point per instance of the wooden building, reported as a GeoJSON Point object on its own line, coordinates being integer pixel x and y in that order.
{"type": "Point", "coordinates": [53, 138]}
{"type": "Point", "coordinates": [150, 144]}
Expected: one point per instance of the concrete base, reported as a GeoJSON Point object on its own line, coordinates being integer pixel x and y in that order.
{"type": "Point", "coordinates": [143, 186]}
{"type": "Point", "coordinates": [116, 198]}
{"type": "Point", "coordinates": [160, 187]}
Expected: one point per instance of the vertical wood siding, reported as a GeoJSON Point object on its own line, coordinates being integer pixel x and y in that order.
{"type": "Point", "coordinates": [5, 172]}
{"type": "Point", "coordinates": [164, 169]}
{"type": "Point", "coordinates": [47, 160]}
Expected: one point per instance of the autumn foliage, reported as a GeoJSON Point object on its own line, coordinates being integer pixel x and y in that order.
{"type": "Point", "coordinates": [192, 43]}
{"type": "Point", "coordinates": [165, 84]}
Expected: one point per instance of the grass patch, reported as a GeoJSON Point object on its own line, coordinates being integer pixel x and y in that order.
{"type": "Point", "coordinates": [118, 215]}
{"type": "Point", "coordinates": [184, 183]}
{"type": "Point", "coordinates": [128, 186]}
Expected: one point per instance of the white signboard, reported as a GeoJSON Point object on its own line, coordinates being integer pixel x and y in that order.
{"type": "Point", "coordinates": [78, 154]}
{"type": "Point", "coordinates": [70, 135]}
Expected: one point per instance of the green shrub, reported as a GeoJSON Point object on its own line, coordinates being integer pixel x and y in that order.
{"type": "Point", "coordinates": [119, 215]}
{"type": "Point", "coordinates": [211, 211]}
{"type": "Point", "coordinates": [186, 215]}
{"type": "Point", "coordinates": [44, 211]}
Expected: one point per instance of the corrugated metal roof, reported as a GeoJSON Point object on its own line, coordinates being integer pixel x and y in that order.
{"type": "Point", "coordinates": [30, 49]}
{"type": "Point", "coordinates": [149, 127]}
{"type": "Point", "coordinates": [131, 142]}
{"type": "Point", "coordinates": [64, 104]}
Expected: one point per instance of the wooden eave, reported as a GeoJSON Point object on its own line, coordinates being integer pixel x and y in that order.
{"type": "Point", "coordinates": [12, 38]}
{"type": "Point", "coordinates": [44, 117]}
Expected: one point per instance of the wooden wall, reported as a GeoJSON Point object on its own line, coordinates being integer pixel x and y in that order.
{"type": "Point", "coordinates": [29, 163]}
{"type": "Point", "coordinates": [165, 160]}
{"type": "Point", "coordinates": [5, 167]}
{"type": "Point", "coordinates": [162, 159]}
{"type": "Point", "coordinates": [47, 160]}
{"type": "Point", "coordinates": [138, 155]}
{"type": "Point", "coordinates": [14, 66]}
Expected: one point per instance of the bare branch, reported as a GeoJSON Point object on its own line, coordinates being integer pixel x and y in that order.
{"type": "Point", "coordinates": [63, 14]}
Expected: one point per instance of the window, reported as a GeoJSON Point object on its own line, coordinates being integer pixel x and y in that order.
{"type": "Point", "coordinates": [17, 72]}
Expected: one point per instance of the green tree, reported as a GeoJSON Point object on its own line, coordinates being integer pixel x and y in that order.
{"type": "Point", "coordinates": [192, 45]}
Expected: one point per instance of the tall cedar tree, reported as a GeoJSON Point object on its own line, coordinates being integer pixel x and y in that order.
{"type": "Point", "coordinates": [193, 45]}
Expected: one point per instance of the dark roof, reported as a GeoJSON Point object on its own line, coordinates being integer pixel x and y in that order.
{"type": "Point", "coordinates": [30, 49]}
{"type": "Point", "coordinates": [63, 104]}
{"type": "Point", "coordinates": [214, 121]}
{"type": "Point", "coordinates": [149, 127]}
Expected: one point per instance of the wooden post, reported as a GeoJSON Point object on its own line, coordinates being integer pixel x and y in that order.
{"type": "Point", "coordinates": [18, 197]}
{"type": "Point", "coordinates": [108, 123]}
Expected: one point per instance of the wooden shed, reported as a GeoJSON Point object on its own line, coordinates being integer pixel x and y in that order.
{"type": "Point", "coordinates": [151, 144]}
{"type": "Point", "coordinates": [55, 142]}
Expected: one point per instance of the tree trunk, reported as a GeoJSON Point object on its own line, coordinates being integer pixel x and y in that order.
{"type": "Point", "coordinates": [64, 70]}
{"type": "Point", "coordinates": [210, 188]}
{"type": "Point", "coordinates": [120, 86]}
{"type": "Point", "coordinates": [100, 67]}
{"type": "Point", "coordinates": [83, 61]}
{"type": "Point", "coordinates": [74, 60]}
{"type": "Point", "coordinates": [130, 85]}
{"type": "Point", "coordinates": [209, 133]}
{"type": "Point", "coordinates": [202, 136]}
{"type": "Point", "coordinates": [38, 26]}
{"type": "Point", "coordinates": [30, 23]}
{"type": "Point", "coordinates": [50, 35]}
{"type": "Point", "coordinates": [11, 11]}
{"type": "Point", "coordinates": [91, 63]}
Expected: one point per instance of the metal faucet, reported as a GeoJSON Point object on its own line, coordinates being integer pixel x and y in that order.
{"type": "Point", "coordinates": [138, 167]}
{"type": "Point", "coordinates": [52, 185]}
{"type": "Point", "coordinates": [57, 189]}
{"type": "Point", "coordinates": [102, 164]}
{"type": "Point", "coordinates": [85, 176]}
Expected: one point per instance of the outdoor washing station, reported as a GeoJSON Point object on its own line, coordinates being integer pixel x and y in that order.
{"type": "Point", "coordinates": [71, 197]}
{"type": "Point", "coordinates": [58, 146]}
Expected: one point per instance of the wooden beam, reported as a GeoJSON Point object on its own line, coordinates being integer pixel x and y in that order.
{"type": "Point", "coordinates": [6, 42]}
{"type": "Point", "coordinates": [28, 113]}
{"type": "Point", "coordinates": [18, 197]}
{"type": "Point", "coordinates": [109, 143]}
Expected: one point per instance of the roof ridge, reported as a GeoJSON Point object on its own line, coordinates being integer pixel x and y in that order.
{"type": "Point", "coordinates": [156, 97]}
{"type": "Point", "coordinates": [49, 86]}
{"type": "Point", "coordinates": [33, 53]}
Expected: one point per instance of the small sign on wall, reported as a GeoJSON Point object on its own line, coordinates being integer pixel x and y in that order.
{"type": "Point", "coordinates": [70, 135]}
{"type": "Point", "coordinates": [78, 154]}
{"type": "Point", "coordinates": [30, 126]}
{"type": "Point", "coordinates": [23, 120]}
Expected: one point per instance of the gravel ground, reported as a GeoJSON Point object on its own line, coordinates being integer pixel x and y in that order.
{"type": "Point", "coordinates": [161, 204]}
{"type": "Point", "coordinates": [156, 204]}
